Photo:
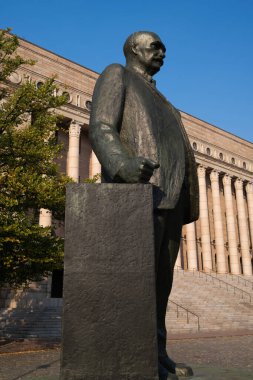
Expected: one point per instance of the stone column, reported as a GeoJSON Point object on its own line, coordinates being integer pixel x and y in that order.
{"type": "Point", "coordinates": [191, 246]}
{"type": "Point", "coordinates": [249, 190]}
{"type": "Point", "coordinates": [204, 220]}
{"type": "Point", "coordinates": [231, 228]}
{"type": "Point", "coordinates": [95, 167]}
{"type": "Point", "coordinates": [45, 218]}
{"type": "Point", "coordinates": [73, 153]}
{"type": "Point", "coordinates": [243, 228]}
{"type": "Point", "coordinates": [218, 226]}
{"type": "Point", "coordinates": [178, 263]}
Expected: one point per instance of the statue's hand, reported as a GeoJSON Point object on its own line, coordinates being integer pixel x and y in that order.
{"type": "Point", "coordinates": [137, 170]}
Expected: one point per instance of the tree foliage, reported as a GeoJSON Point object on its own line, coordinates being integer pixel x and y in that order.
{"type": "Point", "coordinates": [29, 176]}
{"type": "Point", "coordinates": [94, 179]}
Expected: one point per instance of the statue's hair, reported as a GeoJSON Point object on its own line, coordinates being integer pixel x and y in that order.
{"type": "Point", "coordinates": [131, 42]}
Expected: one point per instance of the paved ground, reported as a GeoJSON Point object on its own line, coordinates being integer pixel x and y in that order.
{"type": "Point", "coordinates": [220, 358]}
{"type": "Point", "coordinates": [226, 352]}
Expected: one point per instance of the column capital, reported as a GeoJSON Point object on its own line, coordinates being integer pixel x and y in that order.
{"type": "Point", "coordinates": [226, 179]}
{"type": "Point", "coordinates": [238, 184]}
{"type": "Point", "coordinates": [214, 175]}
{"type": "Point", "coordinates": [45, 211]}
{"type": "Point", "coordinates": [201, 171]}
{"type": "Point", "coordinates": [75, 129]}
{"type": "Point", "coordinates": [249, 188]}
{"type": "Point", "coordinates": [75, 122]}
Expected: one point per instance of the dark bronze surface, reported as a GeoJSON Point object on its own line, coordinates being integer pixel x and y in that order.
{"type": "Point", "coordinates": [138, 137]}
{"type": "Point", "coordinates": [109, 314]}
{"type": "Point", "coordinates": [137, 134]}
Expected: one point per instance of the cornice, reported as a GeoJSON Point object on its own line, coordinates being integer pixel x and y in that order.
{"type": "Point", "coordinates": [51, 58]}
{"type": "Point", "coordinates": [80, 116]}
{"type": "Point", "coordinates": [71, 108]}
{"type": "Point", "coordinates": [65, 87]}
{"type": "Point", "coordinates": [221, 158]}
{"type": "Point", "coordinates": [223, 168]}
{"type": "Point", "coordinates": [213, 128]}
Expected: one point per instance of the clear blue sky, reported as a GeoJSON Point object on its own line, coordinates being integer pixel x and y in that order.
{"type": "Point", "coordinates": [208, 71]}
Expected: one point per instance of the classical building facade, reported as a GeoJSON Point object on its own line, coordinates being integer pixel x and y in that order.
{"type": "Point", "coordinates": [221, 240]}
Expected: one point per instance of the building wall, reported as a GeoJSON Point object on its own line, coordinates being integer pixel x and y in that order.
{"type": "Point", "coordinates": [223, 235]}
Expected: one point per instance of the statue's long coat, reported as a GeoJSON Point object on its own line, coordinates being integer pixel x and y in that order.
{"type": "Point", "coordinates": [130, 118]}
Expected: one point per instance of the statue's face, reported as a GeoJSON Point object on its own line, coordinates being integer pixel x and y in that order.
{"type": "Point", "coordinates": [149, 52]}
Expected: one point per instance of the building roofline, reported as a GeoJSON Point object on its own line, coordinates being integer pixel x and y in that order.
{"type": "Point", "coordinates": [215, 126]}
{"type": "Point", "coordinates": [58, 55]}
{"type": "Point", "coordinates": [95, 72]}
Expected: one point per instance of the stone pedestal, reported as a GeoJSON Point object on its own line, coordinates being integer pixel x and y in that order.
{"type": "Point", "coordinates": [109, 317]}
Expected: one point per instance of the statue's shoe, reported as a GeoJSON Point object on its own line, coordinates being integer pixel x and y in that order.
{"type": "Point", "coordinates": [164, 374]}
{"type": "Point", "coordinates": [183, 370]}
{"type": "Point", "coordinates": [180, 369]}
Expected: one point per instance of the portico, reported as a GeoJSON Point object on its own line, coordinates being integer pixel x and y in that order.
{"type": "Point", "coordinates": [221, 240]}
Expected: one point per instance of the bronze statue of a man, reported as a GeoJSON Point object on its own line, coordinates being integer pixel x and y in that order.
{"type": "Point", "coordinates": [138, 137]}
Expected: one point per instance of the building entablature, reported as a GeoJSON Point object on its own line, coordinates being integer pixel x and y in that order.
{"type": "Point", "coordinates": [227, 162]}
{"type": "Point", "coordinates": [223, 171]}
{"type": "Point", "coordinates": [75, 81]}
{"type": "Point", "coordinates": [79, 102]}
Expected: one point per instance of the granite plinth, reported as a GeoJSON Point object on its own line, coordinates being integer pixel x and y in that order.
{"type": "Point", "coordinates": [109, 317]}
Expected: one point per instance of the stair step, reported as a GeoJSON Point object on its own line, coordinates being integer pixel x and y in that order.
{"type": "Point", "coordinates": [217, 308]}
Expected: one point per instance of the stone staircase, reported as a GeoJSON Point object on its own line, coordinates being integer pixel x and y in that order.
{"type": "Point", "coordinates": [29, 323]}
{"type": "Point", "coordinates": [32, 315]}
{"type": "Point", "coordinates": [242, 282]}
{"type": "Point", "coordinates": [181, 320]}
{"type": "Point", "coordinates": [214, 301]}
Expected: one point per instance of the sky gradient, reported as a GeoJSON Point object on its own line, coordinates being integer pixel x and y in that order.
{"type": "Point", "coordinates": [208, 69]}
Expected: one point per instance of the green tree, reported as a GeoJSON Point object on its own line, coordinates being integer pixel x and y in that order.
{"type": "Point", "coordinates": [29, 176]}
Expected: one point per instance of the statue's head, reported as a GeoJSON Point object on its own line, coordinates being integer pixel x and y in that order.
{"type": "Point", "coordinates": [146, 50]}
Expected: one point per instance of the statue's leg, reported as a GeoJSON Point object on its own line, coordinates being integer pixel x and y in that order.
{"type": "Point", "coordinates": [167, 240]}
{"type": "Point", "coordinates": [163, 287]}
{"type": "Point", "coordinates": [168, 228]}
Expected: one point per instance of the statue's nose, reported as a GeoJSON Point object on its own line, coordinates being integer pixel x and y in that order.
{"type": "Point", "coordinates": [162, 54]}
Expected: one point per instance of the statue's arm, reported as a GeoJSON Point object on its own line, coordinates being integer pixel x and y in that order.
{"type": "Point", "coordinates": [107, 111]}
{"type": "Point", "coordinates": [105, 123]}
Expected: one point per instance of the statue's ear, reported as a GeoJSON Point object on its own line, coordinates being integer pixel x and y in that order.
{"type": "Point", "coordinates": [135, 49]}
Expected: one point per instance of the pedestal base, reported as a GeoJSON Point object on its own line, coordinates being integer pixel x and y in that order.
{"type": "Point", "coordinates": [109, 318]}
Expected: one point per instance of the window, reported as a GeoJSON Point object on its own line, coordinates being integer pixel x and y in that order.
{"type": "Point", "coordinates": [244, 165]}
{"type": "Point", "coordinates": [88, 105]}
{"type": "Point", "coordinates": [67, 95]}
{"type": "Point", "coordinates": [221, 156]}
{"type": "Point", "coordinates": [195, 146]}
{"type": "Point", "coordinates": [208, 151]}
{"type": "Point", "coordinates": [39, 84]}
{"type": "Point", "coordinates": [233, 160]}
{"type": "Point", "coordinates": [15, 78]}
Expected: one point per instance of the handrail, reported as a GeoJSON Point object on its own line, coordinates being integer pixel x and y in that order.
{"type": "Point", "coordinates": [187, 312]}
{"type": "Point", "coordinates": [220, 281]}
{"type": "Point", "coordinates": [227, 275]}
{"type": "Point", "coordinates": [228, 285]}
{"type": "Point", "coordinates": [238, 278]}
